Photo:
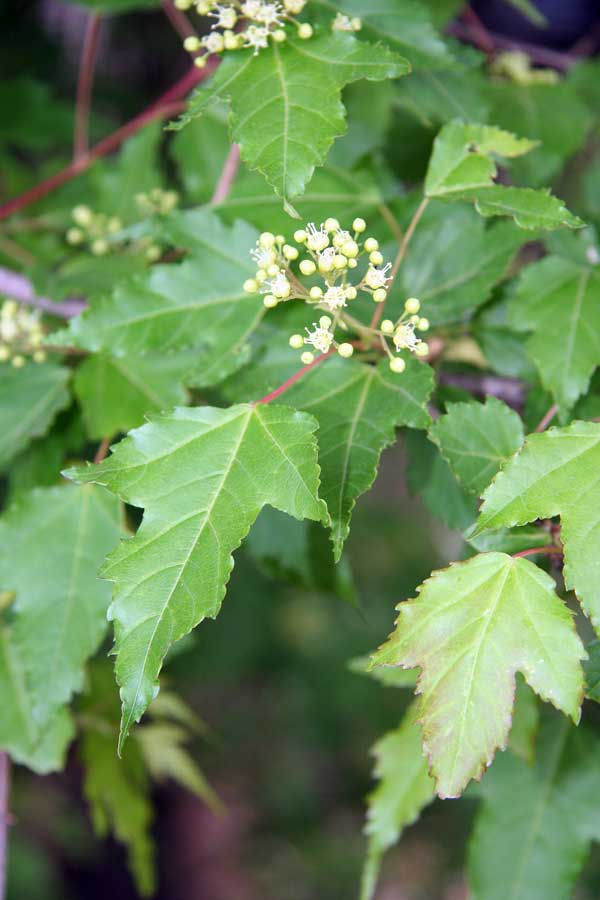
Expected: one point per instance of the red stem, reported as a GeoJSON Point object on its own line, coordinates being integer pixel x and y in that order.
{"type": "Point", "coordinates": [533, 550]}
{"type": "Point", "coordinates": [545, 421]}
{"type": "Point", "coordinates": [102, 450]}
{"type": "Point", "coordinates": [292, 380]}
{"type": "Point", "coordinates": [89, 54]}
{"type": "Point", "coordinates": [479, 33]}
{"type": "Point", "coordinates": [227, 176]}
{"type": "Point", "coordinates": [167, 105]}
{"type": "Point", "coordinates": [178, 20]}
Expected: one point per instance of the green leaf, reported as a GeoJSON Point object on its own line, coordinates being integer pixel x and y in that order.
{"type": "Point", "coordinates": [469, 261]}
{"type": "Point", "coordinates": [525, 722]}
{"type": "Point", "coordinates": [286, 107]}
{"type": "Point", "coordinates": [51, 544]}
{"type": "Point", "coordinates": [533, 831]}
{"type": "Point", "coordinates": [405, 788]}
{"type": "Point", "coordinates": [476, 438]}
{"type": "Point", "coordinates": [200, 302]}
{"type": "Point", "coordinates": [404, 25]}
{"type": "Point", "coordinates": [358, 408]}
{"type": "Point", "coordinates": [118, 792]}
{"type": "Point", "coordinates": [388, 676]}
{"type": "Point", "coordinates": [202, 475]}
{"type": "Point", "coordinates": [41, 749]}
{"type": "Point", "coordinates": [430, 477]}
{"type": "Point", "coordinates": [199, 151]}
{"type": "Point", "coordinates": [438, 97]}
{"type": "Point", "coordinates": [559, 302]}
{"type": "Point", "coordinates": [472, 627]}
{"type": "Point", "coordinates": [591, 668]}
{"type": "Point", "coordinates": [29, 400]}
{"type": "Point", "coordinates": [555, 474]}
{"type": "Point", "coordinates": [461, 158]}
{"type": "Point", "coordinates": [462, 167]}
{"type": "Point", "coordinates": [116, 392]}
{"type": "Point", "coordinates": [551, 114]}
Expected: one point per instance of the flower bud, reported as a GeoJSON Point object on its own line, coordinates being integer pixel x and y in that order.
{"type": "Point", "coordinates": [300, 236]}
{"type": "Point", "coordinates": [307, 357]}
{"type": "Point", "coordinates": [305, 31]}
{"type": "Point", "coordinates": [332, 224]}
{"type": "Point", "coordinates": [296, 341]}
{"type": "Point", "coordinates": [251, 285]}
{"type": "Point", "coordinates": [422, 349]}
{"type": "Point", "coordinates": [397, 365]}
{"type": "Point", "coordinates": [266, 240]}
{"type": "Point", "coordinates": [307, 267]}
{"type": "Point", "coordinates": [371, 244]}
{"type": "Point", "coordinates": [324, 321]}
{"type": "Point", "coordinates": [375, 258]}
{"type": "Point", "coordinates": [412, 305]}
{"type": "Point", "coordinates": [290, 252]}
{"type": "Point", "coordinates": [350, 248]}
{"type": "Point", "coordinates": [379, 295]}
{"type": "Point", "coordinates": [359, 225]}
{"type": "Point", "coordinates": [269, 301]}
{"type": "Point", "coordinates": [346, 350]}
{"type": "Point", "coordinates": [423, 325]}
{"type": "Point", "coordinates": [387, 326]}
{"type": "Point", "coordinates": [316, 293]}
{"type": "Point", "coordinates": [191, 43]}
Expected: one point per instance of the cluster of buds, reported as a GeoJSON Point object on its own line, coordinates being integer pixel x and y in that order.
{"type": "Point", "coordinates": [98, 232]}
{"type": "Point", "coordinates": [346, 23]}
{"type": "Point", "coordinates": [341, 265]}
{"type": "Point", "coordinates": [243, 23]}
{"type": "Point", "coordinates": [92, 229]}
{"type": "Point", "coordinates": [156, 202]}
{"type": "Point", "coordinates": [516, 66]}
{"type": "Point", "coordinates": [21, 335]}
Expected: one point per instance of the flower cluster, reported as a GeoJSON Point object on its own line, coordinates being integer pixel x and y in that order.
{"type": "Point", "coordinates": [100, 233]}
{"type": "Point", "coordinates": [21, 335]}
{"type": "Point", "coordinates": [92, 229]}
{"type": "Point", "coordinates": [516, 66]}
{"type": "Point", "coordinates": [246, 23]}
{"type": "Point", "coordinates": [342, 265]}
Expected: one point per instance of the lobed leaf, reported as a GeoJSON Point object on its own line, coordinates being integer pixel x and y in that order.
{"type": "Point", "coordinates": [202, 476]}
{"type": "Point", "coordinates": [472, 627]}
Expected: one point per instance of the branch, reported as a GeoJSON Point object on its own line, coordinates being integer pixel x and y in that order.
{"type": "Point", "coordinates": [541, 55]}
{"type": "Point", "coordinates": [167, 105]}
{"type": "Point", "coordinates": [511, 390]}
{"type": "Point", "coordinates": [543, 424]}
{"type": "Point", "coordinates": [85, 83]}
{"type": "Point", "coordinates": [227, 176]}
{"type": "Point", "coordinates": [178, 20]}
{"type": "Point", "coordinates": [292, 380]}
{"type": "Point", "coordinates": [19, 288]}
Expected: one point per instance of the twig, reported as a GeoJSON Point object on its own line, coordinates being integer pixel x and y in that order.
{"type": "Point", "coordinates": [4, 818]}
{"type": "Point", "coordinates": [549, 551]}
{"type": "Point", "coordinates": [541, 55]}
{"type": "Point", "coordinates": [511, 390]}
{"type": "Point", "coordinates": [401, 254]}
{"type": "Point", "coordinates": [19, 288]}
{"type": "Point", "coordinates": [227, 176]}
{"type": "Point", "coordinates": [390, 218]}
{"type": "Point", "coordinates": [102, 449]}
{"type": "Point", "coordinates": [89, 54]}
{"type": "Point", "coordinates": [545, 421]}
{"type": "Point", "coordinates": [167, 105]}
{"type": "Point", "coordinates": [292, 379]}
{"type": "Point", "coordinates": [178, 20]}
{"type": "Point", "coordinates": [479, 33]}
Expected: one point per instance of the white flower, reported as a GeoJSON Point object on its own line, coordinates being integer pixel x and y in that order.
{"type": "Point", "coordinates": [226, 17]}
{"type": "Point", "coordinates": [294, 6]}
{"type": "Point", "coordinates": [270, 15]}
{"type": "Point", "coordinates": [278, 286]}
{"type": "Point", "coordinates": [345, 23]}
{"type": "Point", "coordinates": [321, 338]}
{"type": "Point", "coordinates": [213, 43]}
{"type": "Point", "coordinates": [335, 298]}
{"type": "Point", "coordinates": [317, 239]}
{"type": "Point", "coordinates": [405, 337]}
{"type": "Point", "coordinates": [251, 7]}
{"type": "Point", "coordinates": [256, 37]}
{"type": "Point", "coordinates": [263, 257]}
{"type": "Point", "coordinates": [377, 278]}
{"type": "Point", "coordinates": [326, 258]}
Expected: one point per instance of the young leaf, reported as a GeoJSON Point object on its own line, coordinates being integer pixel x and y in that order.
{"type": "Point", "coordinates": [116, 392]}
{"type": "Point", "coordinates": [358, 408]}
{"type": "Point", "coordinates": [405, 788]}
{"type": "Point", "coordinates": [559, 302]}
{"type": "Point", "coordinates": [462, 167]}
{"type": "Point", "coordinates": [476, 438]}
{"type": "Point", "coordinates": [51, 544]}
{"type": "Point", "coordinates": [202, 475]}
{"type": "Point", "coordinates": [118, 792]}
{"type": "Point", "coordinates": [472, 627]}
{"type": "Point", "coordinates": [286, 107]}
{"type": "Point", "coordinates": [198, 303]}
{"type": "Point", "coordinates": [533, 831]}
{"type": "Point", "coordinates": [29, 400]}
